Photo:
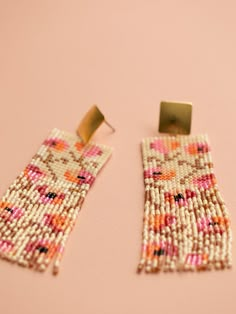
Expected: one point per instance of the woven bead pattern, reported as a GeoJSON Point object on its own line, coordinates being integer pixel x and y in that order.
{"type": "Point", "coordinates": [39, 209]}
{"type": "Point", "coordinates": [186, 223]}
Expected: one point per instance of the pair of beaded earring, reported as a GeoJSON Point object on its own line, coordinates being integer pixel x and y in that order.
{"type": "Point", "coordinates": [186, 224]}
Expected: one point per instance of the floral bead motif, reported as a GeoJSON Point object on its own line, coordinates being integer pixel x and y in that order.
{"type": "Point", "coordinates": [179, 198]}
{"type": "Point", "coordinates": [42, 246]}
{"type": "Point", "coordinates": [159, 222]}
{"type": "Point", "coordinates": [190, 193]}
{"type": "Point", "coordinates": [56, 144]}
{"type": "Point", "coordinates": [206, 181]}
{"type": "Point", "coordinates": [10, 212]}
{"type": "Point", "coordinates": [79, 177]}
{"type": "Point", "coordinates": [91, 151]}
{"type": "Point", "coordinates": [57, 222]}
{"type": "Point", "coordinates": [163, 147]}
{"type": "Point", "coordinates": [164, 248]}
{"type": "Point", "coordinates": [50, 195]}
{"type": "Point", "coordinates": [79, 146]}
{"type": "Point", "coordinates": [5, 246]}
{"type": "Point", "coordinates": [197, 148]}
{"type": "Point", "coordinates": [221, 221]}
{"type": "Point", "coordinates": [212, 225]}
{"type": "Point", "coordinates": [33, 173]}
{"type": "Point", "coordinates": [159, 174]}
{"type": "Point", "coordinates": [164, 220]}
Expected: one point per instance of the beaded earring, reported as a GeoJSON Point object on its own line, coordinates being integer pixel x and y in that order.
{"type": "Point", "coordinates": [40, 208]}
{"type": "Point", "coordinates": [186, 224]}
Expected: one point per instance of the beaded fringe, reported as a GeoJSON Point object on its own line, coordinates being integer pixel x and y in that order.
{"type": "Point", "coordinates": [186, 222]}
{"type": "Point", "coordinates": [39, 209]}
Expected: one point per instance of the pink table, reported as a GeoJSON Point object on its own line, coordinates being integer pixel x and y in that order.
{"type": "Point", "coordinates": [59, 57]}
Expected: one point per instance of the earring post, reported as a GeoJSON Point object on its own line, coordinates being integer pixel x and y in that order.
{"type": "Point", "coordinates": [110, 126]}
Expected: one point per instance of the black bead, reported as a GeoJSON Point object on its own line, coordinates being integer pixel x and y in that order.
{"type": "Point", "coordinates": [81, 177]}
{"type": "Point", "coordinates": [157, 173]}
{"type": "Point", "coordinates": [178, 197]}
{"type": "Point", "coordinates": [159, 252]}
{"type": "Point", "coordinates": [9, 209]}
{"type": "Point", "coordinates": [42, 249]}
{"type": "Point", "coordinates": [51, 195]}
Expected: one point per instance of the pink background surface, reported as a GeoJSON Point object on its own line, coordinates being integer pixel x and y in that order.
{"type": "Point", "coordinates": [59, 57]}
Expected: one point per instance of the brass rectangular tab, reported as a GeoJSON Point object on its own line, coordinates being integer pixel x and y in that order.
{"type": "Point", "coordinates": [175, 117]}
{"type": "Point", "coordinates": [90, 123]}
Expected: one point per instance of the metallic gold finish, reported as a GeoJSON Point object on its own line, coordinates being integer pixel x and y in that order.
{"type": "Point", "coordinates": [90, 123]}
{"type": "Point", "coordinates": [175, 117]}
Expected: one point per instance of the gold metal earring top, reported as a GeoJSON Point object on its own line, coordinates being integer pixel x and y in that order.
{"type": "Point", "coordinates": [175, 117]}
{"type": "Point", "coordinates": [90, 123]}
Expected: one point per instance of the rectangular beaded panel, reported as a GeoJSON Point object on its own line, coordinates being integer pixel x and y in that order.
{"type": "Point", "coordinates": [186, 223]}
{"type": "Point", "coordinates": [39, 209]}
